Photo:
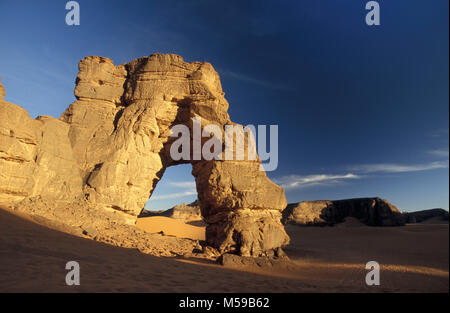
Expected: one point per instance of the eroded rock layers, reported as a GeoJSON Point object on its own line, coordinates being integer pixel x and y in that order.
{"type": "Point", "coordinates": [112, 146]}
{"type": "Point", "coordinates": [370, 211]}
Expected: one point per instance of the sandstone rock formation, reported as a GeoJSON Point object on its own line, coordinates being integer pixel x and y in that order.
{"type": "Point", "coordinates": [185, 213]}
{"type": "Point", "coordinates": [426, 215]}
{"type": "Point", "coordinates": [35, 157]}
{"type": "Point", "coordinates": [111, 147]}
{"type": "Point", "coordinates": [370, 211]}
{"type": "Point", "coordinates": [235, 261]}
{"type": "Point", "coordinates": [2, 91]}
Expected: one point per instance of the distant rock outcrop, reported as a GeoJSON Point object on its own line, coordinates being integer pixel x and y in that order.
{"type": "Point", "coordinates": [370, 211]}
{"type": "Point", "coordinates": [426, 215]}
{"type": "Point", "coordinates": [185, 213]}
{"type": "Point", "coordinates": [111, 147]}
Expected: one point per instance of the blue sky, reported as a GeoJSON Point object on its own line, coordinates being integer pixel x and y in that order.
{"type": "Point", "coordinates": [362, 111]}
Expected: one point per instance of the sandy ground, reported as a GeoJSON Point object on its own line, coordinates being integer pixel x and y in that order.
{"type": "Point", "coordinates": [414, 258]}
{"type": "Point", "coordinates": [170, 227]}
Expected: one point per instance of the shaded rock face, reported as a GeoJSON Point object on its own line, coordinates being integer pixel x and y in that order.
{"type": "Point", "coordinates": [112, 146]}
{"type": "Point", "coordinates": [424, 215]}
{"type": "Point", "coordinates": [370, 211]}
{"type": "Point", "coordinates": [279, 260]}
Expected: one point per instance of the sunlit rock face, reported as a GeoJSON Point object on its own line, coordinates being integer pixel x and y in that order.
{"type": "Point", "coordinates": [36, 157]}
{"type": "Point", "coordinates": [112, 146]}
{"type": "Point", "coordinates": [2, 91]}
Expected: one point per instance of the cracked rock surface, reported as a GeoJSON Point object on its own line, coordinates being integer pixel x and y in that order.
{"type": "Point", "coordinates": [111, 147]}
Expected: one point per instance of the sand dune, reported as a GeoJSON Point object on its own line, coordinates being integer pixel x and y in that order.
{"type": "Point", "coordinates": [170, 227]}
{"type": "Point", "coordinates": [328, 259]}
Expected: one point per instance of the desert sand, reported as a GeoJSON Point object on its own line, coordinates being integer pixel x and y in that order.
{"type": "Point", "coordinates": [414, 258]}
{"type": "Point", "coordinates": [170, 227]}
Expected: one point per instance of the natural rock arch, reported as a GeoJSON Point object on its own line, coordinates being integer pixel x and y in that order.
{"type": "Point", "coordinates": [112, 146]}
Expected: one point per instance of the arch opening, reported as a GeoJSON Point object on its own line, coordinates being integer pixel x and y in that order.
{"type": "Point", "coordinates": [172, 208]}
{"type": "Point", "coordinates": [176, 186]}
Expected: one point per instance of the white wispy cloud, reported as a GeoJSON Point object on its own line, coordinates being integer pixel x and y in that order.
{"type": "Point", "coordinates": [188, 186]}
{"type": "Point", "coordinates": [184, 184]}
{"type": "Point", "coordinates": [298, 181]}
{"type": "Point", "coordinates": [442, 132]}
{"type": "Point", "coordinates": [174, 195]}
{"type": "Point", "coordinates": [439, 153]}
{"type": "Point", "coordinates": [358, 172]}
{"type": "Point", "coordinates": [398, 168]}
{"type": "Point", "coordinates": [255, 81]}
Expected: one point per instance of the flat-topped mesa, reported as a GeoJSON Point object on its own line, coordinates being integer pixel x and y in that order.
{"type": "Point", "coordinates": [119, 130]}
{"type": "Point", "coordinates": [430, 215]}
{"type": "Point", "coordinates": [370, 211]}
